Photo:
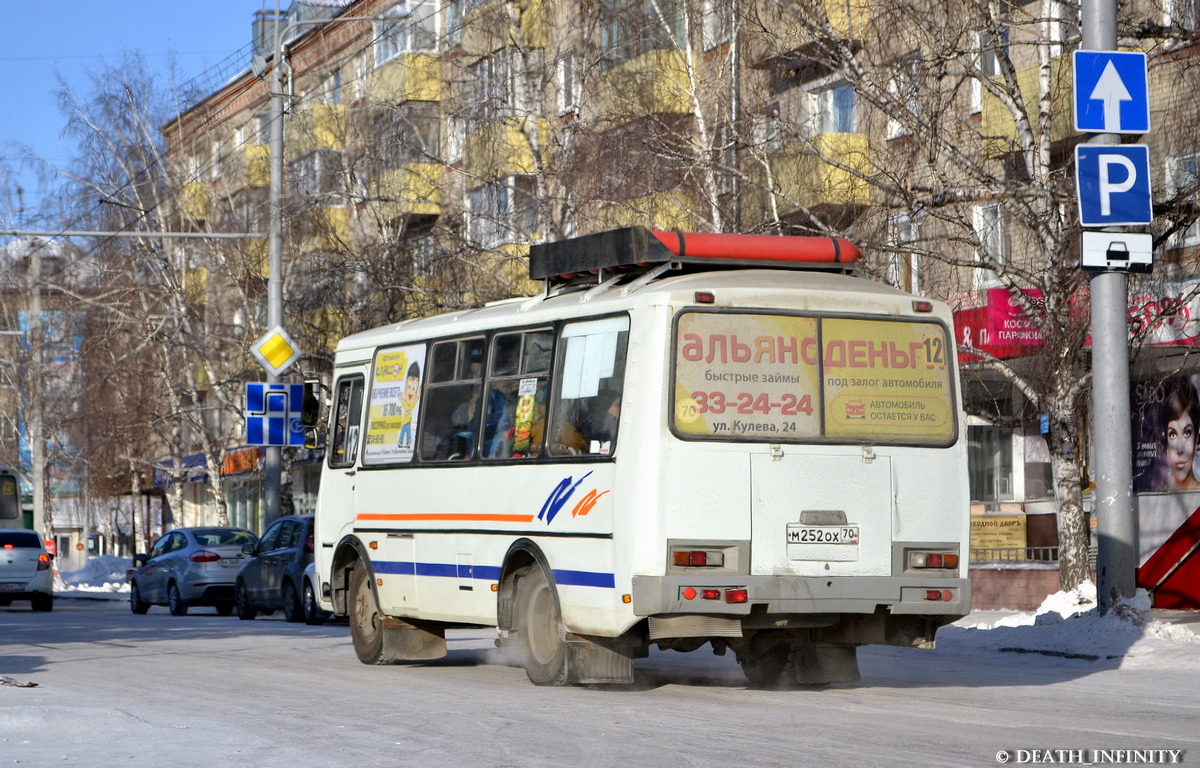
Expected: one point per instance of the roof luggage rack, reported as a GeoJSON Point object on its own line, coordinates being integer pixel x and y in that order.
{"type": "Point", "coordinates": [637, 249]}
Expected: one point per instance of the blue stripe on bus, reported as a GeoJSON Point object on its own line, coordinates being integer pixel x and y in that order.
{"type": "Point", "coordinates": [487, 573]}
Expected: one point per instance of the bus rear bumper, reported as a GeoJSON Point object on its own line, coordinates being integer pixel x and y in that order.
{"type": "Point", "coordinates": [798, 595]}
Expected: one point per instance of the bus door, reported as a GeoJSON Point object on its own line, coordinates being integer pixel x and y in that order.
{"type": "Point", "coordinates": [344, 446]}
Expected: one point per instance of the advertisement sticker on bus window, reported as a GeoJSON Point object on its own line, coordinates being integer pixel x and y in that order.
{"type": "Point", "coordinates": [744, 375]}
{"type": "Point", "coordinates": [782, 378]}
{"type": "Point", "coordinates": [394, 406]}
{"type": "Point", "coordinates": [886, 380]}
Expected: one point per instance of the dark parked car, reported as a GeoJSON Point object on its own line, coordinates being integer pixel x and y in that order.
{"type": "Point", "coordinates": [272, 576]}
{"type": "Point", "coordinates": [189, 566]}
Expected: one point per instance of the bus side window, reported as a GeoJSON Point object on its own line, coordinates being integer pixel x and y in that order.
{"type": "Point", "coordinates": [589, 382]}
{"type": "Point", "coordinates": [450, 409]}
{"type": "Point", "coordinates": [345, 423]}
{"type": "Point", "coordinates": [519, 370]}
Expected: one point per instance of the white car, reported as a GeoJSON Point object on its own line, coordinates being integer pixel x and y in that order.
{"type": "Point", "coordinates": [25, 572]}
{"type": "Point", "coordinates": [317, 609]}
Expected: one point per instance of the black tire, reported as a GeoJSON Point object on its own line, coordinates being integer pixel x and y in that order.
{"type": "Point", "coordinates": [293, 611]}
{"type": "Point", "coordinates": [5, 601]}
{"type": "Point", "coordinates": [540, 631]}
{"type": "Point", "coordinates": [175, 603]}
{"type": "Point", "coordinates": [366, 625]}
{"type": "Point", "coordinates": [224, 609]}
{"type": "Point", "coordinates": [136, 603]}
{"type": "Point", "coordinates": [313, 614]}
{"type": "Point", "coordinates": [245, 608]}
{"type": "Point", "coordinates": [42, 603]}
{"type": "Point", "coordinates": [766, 670]}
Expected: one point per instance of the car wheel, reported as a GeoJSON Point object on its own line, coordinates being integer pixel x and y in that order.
{"type": "Point", "coordinates": [224, 609]}
{"type": "Point", "coordinates": [5, 601]}
{"type": "Point", "coordinates": [245, 608]}
{"type": "Point", "coordinates": [42, 603]}
{"type": "Point", "coordinates": [136, 603]}
{"type": "Point", "coordinates": [175, 601]}
{"type": "Point", "coordinates": [313, 614]}
{"type": "Point", "coordinates": [292, 610]}
{"type": "Point", "coordinates": [366, 625]}
{"type": "Point", "coordinates": [539, 630]}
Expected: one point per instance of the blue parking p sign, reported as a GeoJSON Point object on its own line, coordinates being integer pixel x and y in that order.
{"type": "Point", "coordinates": [1113, 182]}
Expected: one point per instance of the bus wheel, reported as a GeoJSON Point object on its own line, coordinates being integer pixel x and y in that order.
{"type": "Point", "coordinates": [540, 631]}
{"type": "Point", "coordinates": [765, 659]}
{"type": "Point", "coordinates": [366, 627]}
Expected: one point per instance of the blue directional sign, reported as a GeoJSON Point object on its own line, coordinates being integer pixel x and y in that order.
{"type": "Point", "coordinates": [273, 414]}
{"type": "Point", "coordinates": [1111, 92]}
{"type": "Point", "coordinates": [1114, 184]}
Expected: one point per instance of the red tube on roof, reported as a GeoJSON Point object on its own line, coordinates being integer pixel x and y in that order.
{"type": "Point", "coordinates": [700, 245]}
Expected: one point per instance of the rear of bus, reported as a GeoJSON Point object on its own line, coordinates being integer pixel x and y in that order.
{"type": "Point", "coordinates": [812, 492]}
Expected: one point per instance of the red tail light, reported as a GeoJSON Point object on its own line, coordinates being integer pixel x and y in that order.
{"type": "Point", "coordinates": [308, 544]}
{"type": "Point", "coordinates": [736, 595]}
{"type": "Point", "coordinates": [204, 556]}
{"type": "Point", "coordinates": [43, 562]}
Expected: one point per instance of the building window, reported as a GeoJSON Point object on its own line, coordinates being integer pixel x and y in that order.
{"type": "Point", "coordinates": [410, 26]}
{"type": "Point", "coordinates": [495, 88]}
{"type": "Point", "coordinates": [407, 134]}
{"type": "Point", "coordinates": [318, 174]}
{"type": "Point", "coordinates": [629, 28]}
{"type": "Point", "coordinates": [990, 463]}
{"type": "Point", "coordinates": [991, 234]}
{"type": "Point", "coordinates": [568, 76]}
{"type": "Point", "coordinates": [903, 269]}
{"type": "Point", "coordinates": [718, 23]}
{"type": "Point", "coordinates": [831, 109]}
{"type": "Point", "coordinates": [503, 211]}
{"type": "Point", "coordinates": [992, 48]}
{"type": "Point", "coordinates": [1181, 14]}
{"type": "Point", "coordinates": [454, 22]}
{"type": "Point", "coordinates": [904, 87]}
{"type": "Point", "coordinates": [331, 88]}
{"type": "Point", "coordinates": [1182, 175]}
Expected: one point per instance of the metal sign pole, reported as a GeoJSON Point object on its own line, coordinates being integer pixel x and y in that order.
{"type": "Point", "coordinates": [273, 458]}
{"type": "Point", "coordinates": [1113, 498]}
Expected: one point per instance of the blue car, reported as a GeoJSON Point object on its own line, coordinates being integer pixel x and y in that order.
{"type": "Point", "coordinates": [272, 576]}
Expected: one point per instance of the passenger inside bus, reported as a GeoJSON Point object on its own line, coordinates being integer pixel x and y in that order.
{"type": "Point", "coordinates": [588, 425]}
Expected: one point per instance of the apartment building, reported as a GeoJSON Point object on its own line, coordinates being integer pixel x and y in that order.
{"type": "Point", "coordinates": [428, 143]}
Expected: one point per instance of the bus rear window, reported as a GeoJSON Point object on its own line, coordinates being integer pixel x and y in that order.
{"type": "Point", "coordinates": [789, 378]}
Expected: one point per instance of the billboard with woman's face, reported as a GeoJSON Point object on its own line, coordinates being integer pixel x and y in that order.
{"type": "Point", "coordinates": [1166, 416]}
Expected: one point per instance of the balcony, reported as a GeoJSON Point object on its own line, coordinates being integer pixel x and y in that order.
{"type": "Point", "coordinates": [998, 128]}
{"type": "Point", "coordinates": [413, 189]}
{"type": "Point", "coordinates": [258, 165]}
{"type": "Point", "coordinates": [661, 210]}
{"type": "Point", "coordinates": [408, 77]}
{"type": "Point", "coordinates": [794, 27]}
{"type": "Point", "coordinates": [194, 200]}
{"type": "Point", "coordinates": [488, 25]}
{"type": "Point", "coordinates": [655, 83]}
{"type": "Point", "coordinates": [503, 148]}
{"type": "Point", "coordinates": [820, 172]}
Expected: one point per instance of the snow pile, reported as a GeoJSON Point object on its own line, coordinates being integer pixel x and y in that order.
{"type": "Point", "coordinates": [105, 573]}
{"type": "Point", "coordinates": [1069, 625]}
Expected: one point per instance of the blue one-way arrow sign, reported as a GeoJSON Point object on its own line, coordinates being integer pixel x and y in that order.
{"type": "Point", "coordinates": [1112, 94]}
{"type": "Point", "coordinates": [1114, 184]}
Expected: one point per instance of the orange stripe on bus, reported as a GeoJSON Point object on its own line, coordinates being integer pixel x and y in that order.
{"type": "Point", "coordinates": [436, 516]}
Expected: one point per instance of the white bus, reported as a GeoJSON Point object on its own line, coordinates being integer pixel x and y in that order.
{"type": "Point", "coordinates": [685, 440]}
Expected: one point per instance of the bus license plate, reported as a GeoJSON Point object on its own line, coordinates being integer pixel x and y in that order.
{"type": "Point", "coordinates": [822, 534]}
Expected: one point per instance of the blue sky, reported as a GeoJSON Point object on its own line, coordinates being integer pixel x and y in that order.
{"type": "Point", "coordinates": [41, 39]}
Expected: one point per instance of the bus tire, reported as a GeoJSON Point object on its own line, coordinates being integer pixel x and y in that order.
{"type": "Point", "coordinates": [366, 625]}
{"type": "Point", "coordinates": [764, 663]}
{"type": "Point", "coordinates": [540, 632]}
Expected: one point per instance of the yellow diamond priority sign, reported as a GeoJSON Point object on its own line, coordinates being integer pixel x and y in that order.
{"type": "Point", "coordinates": [276, 351]}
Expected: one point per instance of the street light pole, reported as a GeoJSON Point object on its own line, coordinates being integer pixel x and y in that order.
{"type": "Point", "coordinates": [272, 465]}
